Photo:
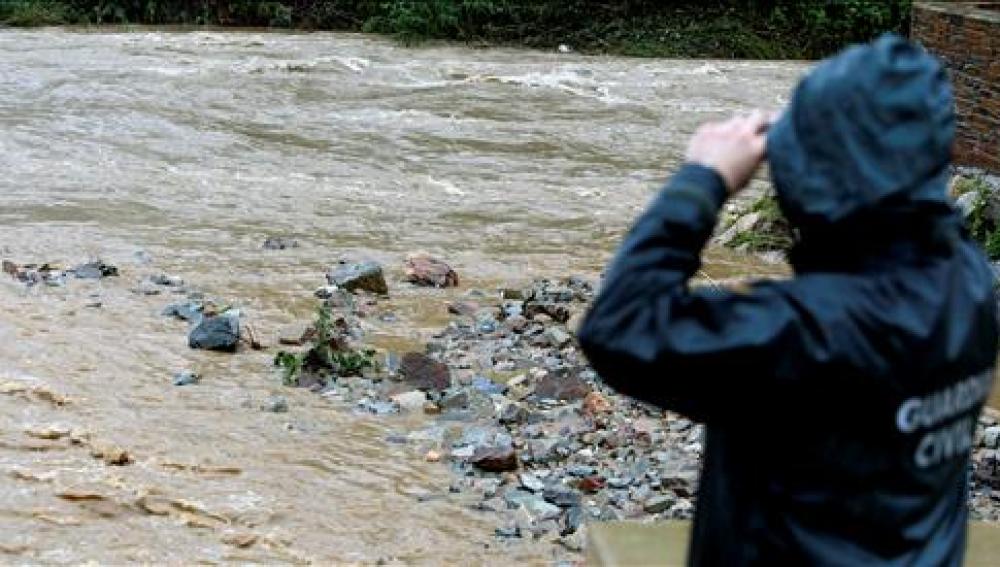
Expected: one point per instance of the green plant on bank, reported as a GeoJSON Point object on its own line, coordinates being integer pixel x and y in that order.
{"type": "Point", "coordinates": [322, 356]}
{"type": "Point", "coordinates": [769, 29]}
{"type": "Point", "coordinates": [773, 231]}
{"type": "Point", "coordinates": [980, 221]}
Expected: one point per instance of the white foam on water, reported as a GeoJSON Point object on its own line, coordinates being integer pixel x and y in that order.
{"type": "Point", "coordinates": [446, 186]}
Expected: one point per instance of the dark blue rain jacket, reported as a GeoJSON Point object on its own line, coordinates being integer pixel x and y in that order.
{"type": "Point", "coordinates": [840, 404]}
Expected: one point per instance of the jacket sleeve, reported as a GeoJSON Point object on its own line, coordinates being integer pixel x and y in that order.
{"type": "Point", "coordinates": [697, 351]}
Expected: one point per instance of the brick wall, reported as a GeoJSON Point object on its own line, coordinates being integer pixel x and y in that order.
{"type": "Point", "coordinates": [966, 35]}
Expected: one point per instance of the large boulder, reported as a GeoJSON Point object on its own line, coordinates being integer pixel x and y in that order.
{"type": "Point", "coordinates": [423, 269]}
{"type": "Point", "coordinates": [221, 332]}
{"type": "Point", "coordinates": [424, 373]}
{"type": "Point", "coordinates": [362, 275]}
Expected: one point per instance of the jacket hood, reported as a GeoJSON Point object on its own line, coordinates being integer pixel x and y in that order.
{"type": "Point", "coordinates": [862, 152]}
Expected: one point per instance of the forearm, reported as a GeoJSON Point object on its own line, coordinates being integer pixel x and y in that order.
{"type": "Point", "coordinates": [664, 246]}
{"type": "Point", "coordinates": [650, 271]}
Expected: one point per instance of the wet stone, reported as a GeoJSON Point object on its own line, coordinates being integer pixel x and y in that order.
{"type": "Point", "coordinates": [495, 459]}
{"type": "Point", "coordinates": [95, 270]}
{"type": "Point", "coordinates": [513, 413]}
{"type": "Point", "coordinates": [562, 388]}
{"type": "Point", "coordinates": [487, 386]}
{"type": "Point", "coordinates": [618, 482]}
{"type": "Point", "coordinates": [991, 437]}
{"type": "Point", "coordinates": [659, 503]}
{"type": "Point", "coordinates": [455, 400]}
{"type": "Point", "coordinates": [275, 404]}
{"type": "Point", "coordinates": [358, 276]}
{"type": "Point", "coordinates": [571, 521]}
{"type": "Point", "coordinates": [377, 407]}
{"type": "Point", "coordinates": [185, 378]}
{"type": "Point", "coordinates": [557, 337]}
{"type": "Point", "coordinates": [556, 312]}
{"type": "Point", "coordinates": [221, 333]}
{"type": "Point", "coordinates": [410, 401]}
{"type": "Point", "coordinates": [185, 311]}
{"type": "Point", "coordinates": [532, 482]}
{"type": "Point", "coordinates": [514, 498]}
{"type": "Point", "coordinates": [543, 450]}
{"type": "Point", "coordinates": [279, 243]}
{"type": "Point", "coordinates": [464, 308]}
{"type": "Point", "coordinates": [540, 510]}
{"type": "Point", "coordinates": [166, 280]}
{"type": "Point", "coordinates": [424, 373]}
{"type": "Point", "coordinates": [563, 496]}
{"type": "Point", "coordinates": [508, 530]}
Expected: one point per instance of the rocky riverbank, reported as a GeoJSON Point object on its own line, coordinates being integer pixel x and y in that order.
{"type": "Point", "coordinates": [528, 430]}
{"type": "Point", "coordinates": [510, 408]}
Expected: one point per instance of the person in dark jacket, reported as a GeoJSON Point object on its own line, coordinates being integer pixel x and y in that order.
{"type": "Point", "coordinates": [840, 404]}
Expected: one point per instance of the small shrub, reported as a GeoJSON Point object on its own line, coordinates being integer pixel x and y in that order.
{"type": "Point", "coordinates": [328, 354]}
{"type": "Point", "coordinates": [992, 245]}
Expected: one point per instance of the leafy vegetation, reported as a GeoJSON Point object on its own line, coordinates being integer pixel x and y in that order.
{"type": "Point", "coordinates": [706, 28]}
{"type": "Point", "coordinates": [328, 353]}
{"type": "Point", "coordinates": [981, 218]}
{"type": "Point", "coordinates": [771, 231]}
{"type": "Point", "coordinates": [34, 13]}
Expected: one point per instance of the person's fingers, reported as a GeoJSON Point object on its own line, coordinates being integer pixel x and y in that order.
{"type": "Point", "coordinates": [757, 122]}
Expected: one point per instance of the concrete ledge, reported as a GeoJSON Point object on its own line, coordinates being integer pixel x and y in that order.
{"type": "Point", "coordinates": [630, 544]}
{"type": "Point", "coordinates": [988, 11]}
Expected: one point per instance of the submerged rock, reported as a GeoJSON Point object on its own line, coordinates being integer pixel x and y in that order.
{"type": "Point", "coordinates": [275, 404]}
{"type": "Point", "coordinates": [167, 280]}
{"type": "Point", "coordinates": [280, 243]}
{"type": "Point", "coordinates": [185, 311]}
{"type": "Point", "coordinates": [95, 270]}
{"type": "Point", "coordinates": [185, 378]}
{"type": "Point", "coordinates": [421, 268]}
{"type": "Point", "coordinates": [221, 333]}
{"type": "Point", "coordinates": [358, 276]}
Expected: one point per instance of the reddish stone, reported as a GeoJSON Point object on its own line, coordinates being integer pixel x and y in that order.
{"type": "Point", "coordinates": [596, 404]}
{"type": "Point", "coordinates": [424, 373]}
{"type": "Point", "coordinates": [591, 484]}
{"type": "Point", "coordinates": [423, 269]}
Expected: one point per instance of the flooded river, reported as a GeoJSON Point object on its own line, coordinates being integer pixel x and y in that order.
{"type": "Point", "coordinates": [179, 152]}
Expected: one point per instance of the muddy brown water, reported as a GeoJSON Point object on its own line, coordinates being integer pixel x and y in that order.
{"type": "Point", "coordinates": [192, 147]}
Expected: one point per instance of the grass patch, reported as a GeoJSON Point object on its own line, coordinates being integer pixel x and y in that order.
{"type": "Point", "coordinates": [772, 230]}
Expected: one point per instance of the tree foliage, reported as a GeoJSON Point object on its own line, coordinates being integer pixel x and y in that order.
{"type": "Point", "coordinates": [717, 28]}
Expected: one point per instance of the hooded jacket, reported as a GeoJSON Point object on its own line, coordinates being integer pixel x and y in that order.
{"type": "Point", "coordinates": [840, 404]}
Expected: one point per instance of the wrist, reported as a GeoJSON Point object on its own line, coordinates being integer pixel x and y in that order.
{"type": "Point", "coordinates": [704, 177]}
